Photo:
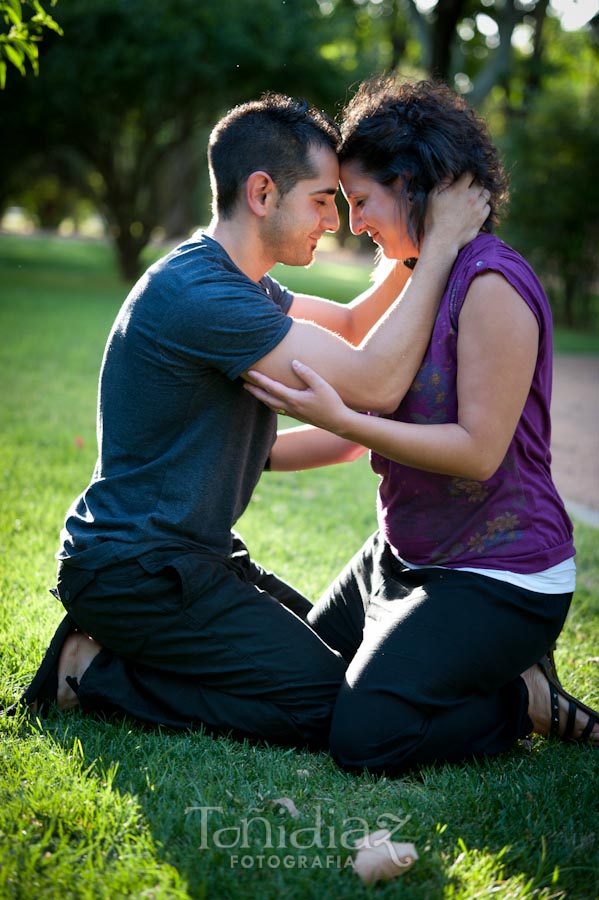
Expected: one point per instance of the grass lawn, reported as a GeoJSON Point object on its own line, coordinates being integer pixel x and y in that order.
{"type": "Point", "coordinates": [109, 809]}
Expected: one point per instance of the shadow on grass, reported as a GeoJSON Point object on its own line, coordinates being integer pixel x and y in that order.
{"type": "Point", "coordinates": [522, 825]}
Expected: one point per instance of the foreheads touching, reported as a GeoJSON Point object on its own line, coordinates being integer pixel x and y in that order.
{"type": "Point", "coordinates": [413, 136]}
{"type": "Point", "coordinates": [275, 135]}
{"type": "Point", "coordinates": [407, 136]}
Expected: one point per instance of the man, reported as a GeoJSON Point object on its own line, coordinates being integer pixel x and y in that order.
{"type": "Point", "coordinates": [169, 619]}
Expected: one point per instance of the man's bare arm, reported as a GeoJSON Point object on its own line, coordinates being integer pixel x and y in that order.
{"type": "Point", "coordinates": [305, 447]}
{"type": "Point", "coordinates": [352, 321]}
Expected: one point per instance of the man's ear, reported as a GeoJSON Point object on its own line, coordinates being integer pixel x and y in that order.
{"type": "Point", "coordinates": [259, 191]}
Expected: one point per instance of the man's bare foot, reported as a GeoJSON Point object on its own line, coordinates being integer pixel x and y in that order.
{"type": "Point", "coordinates": [76, 654]}
{"type": "Point", "coordinates": [539, 708]}
{"type": "Point", "coordinates": [75, 657]}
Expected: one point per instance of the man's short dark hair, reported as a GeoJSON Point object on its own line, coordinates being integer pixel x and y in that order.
{"type": "Point", "coordinates": [424, 134]}
{"type": "Point", "coordinates": [273, 134]}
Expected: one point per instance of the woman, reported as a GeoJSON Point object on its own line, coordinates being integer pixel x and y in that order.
{"type": "Point", "coordinates": [445, 612]}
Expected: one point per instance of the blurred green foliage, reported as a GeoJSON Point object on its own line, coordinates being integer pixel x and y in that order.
{"type": "Point", "coordinates": [118, 118]}
{"type": "Point", "coordinates": [552, 144]}
{"type": "Point", "coordinates": [123, 100]}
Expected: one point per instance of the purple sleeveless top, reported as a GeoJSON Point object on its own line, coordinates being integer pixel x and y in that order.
{"type": "Point", "coordinates": [515, 520]}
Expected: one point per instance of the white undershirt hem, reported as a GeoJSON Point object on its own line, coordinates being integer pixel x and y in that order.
{"type": "Point", "coordinates": [559, 579]}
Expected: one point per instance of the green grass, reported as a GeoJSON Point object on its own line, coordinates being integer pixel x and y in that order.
{"type": "Point", "coordinates": [109, 809]}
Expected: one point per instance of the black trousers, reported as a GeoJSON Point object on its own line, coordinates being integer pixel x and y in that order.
{"type": "Point", "coordinates": [434, 660]}
{"type": "Point", "coordinates": [204, 640]}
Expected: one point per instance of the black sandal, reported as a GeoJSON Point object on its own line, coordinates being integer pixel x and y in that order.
{"type": "Point", "coordinates": [551, 663]}
{"type": "Point", "coordinates": [556, 689]}
{"type": "Point", "coordinates": [44, 685]}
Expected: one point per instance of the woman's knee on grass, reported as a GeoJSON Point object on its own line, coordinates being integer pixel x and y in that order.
{"type": "Point", "coordinates": [374, 731]}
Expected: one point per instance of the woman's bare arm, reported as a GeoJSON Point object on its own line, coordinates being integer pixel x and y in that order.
{"type": "Point", "coordinates": [497, 351]}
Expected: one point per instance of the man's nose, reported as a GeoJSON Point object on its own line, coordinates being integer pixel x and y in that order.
{"type": "Point", "coordinates": [331, 219]}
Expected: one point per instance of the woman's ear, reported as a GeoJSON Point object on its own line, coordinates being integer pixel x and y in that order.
{"type": "Point", "coordinates": [259, 192]}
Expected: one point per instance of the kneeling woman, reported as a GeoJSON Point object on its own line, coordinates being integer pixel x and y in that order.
{"type": "Point", "coordinates": [448, 613]}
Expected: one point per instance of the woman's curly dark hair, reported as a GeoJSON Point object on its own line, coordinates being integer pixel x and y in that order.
{"type": "Point", "coordinates": [424, 134]}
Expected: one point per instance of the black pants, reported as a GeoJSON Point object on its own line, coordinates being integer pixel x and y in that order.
{"type": "Point", "coordinates": [434, 660]}
{"type": "Point", "coordinates": [206, 640]}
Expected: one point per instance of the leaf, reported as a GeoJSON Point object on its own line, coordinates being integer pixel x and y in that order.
{"type": "Point", "coordinates": [27, 49]}
{"type": "Point", "coordinates": [288, 804]}
{"type": "Point", "coordinates": [380, 859]}
{"type": "Point", "coordinates": [13, 14]}
{"type": "Point", "coordinates": [15, 57]}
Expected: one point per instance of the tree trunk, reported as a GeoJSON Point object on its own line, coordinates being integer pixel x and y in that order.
{"type": "Point", "coordinates": [498, 66]}
{"type": "Point", "coordinates": [397, 36]}
{"type": "Point", "coordinates": [447, 16]}
{"type": "Point", "coordinates": [128, 250]}
{"type": "Point", "coordinates": [569, 295]}
{"type": "Point", "coordinates": [534, 68]}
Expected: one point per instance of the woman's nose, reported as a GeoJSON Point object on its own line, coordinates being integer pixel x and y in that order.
{"type": "Point", "coordinates": [356, 222]}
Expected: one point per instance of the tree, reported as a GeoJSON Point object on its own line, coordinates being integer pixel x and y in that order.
{"type": "Point", "coordinates": [18, 45]}
{"type": "Point", "coordinates": [466, 43]}
{"type": "Point", "coordinates": [553, 141]}
{"type": "Point", "coordinates": [537, 86]}
{"type": "Point", "coordinates": [132, 83]}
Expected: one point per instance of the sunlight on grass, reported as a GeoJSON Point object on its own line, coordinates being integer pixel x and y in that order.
{"type": "Point", "coordinates": [67, 823]}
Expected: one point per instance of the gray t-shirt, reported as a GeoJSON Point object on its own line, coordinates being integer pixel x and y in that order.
{"type": "Point", "coordinates": [181, 443]}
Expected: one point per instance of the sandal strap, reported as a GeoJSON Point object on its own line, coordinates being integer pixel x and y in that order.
{"type": "Point", "coordinates": [574, 706]}
{"type": "Point", "coordinates": [568, 734]}
{"type": "Point", "coordinates": [557, 690]}
{"type": "Point", "coordinates": [582, 737]}
{"type": "Point", "coordinates": [550, 656]}
{"type": "Point", "coordinates": [554, 730]}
